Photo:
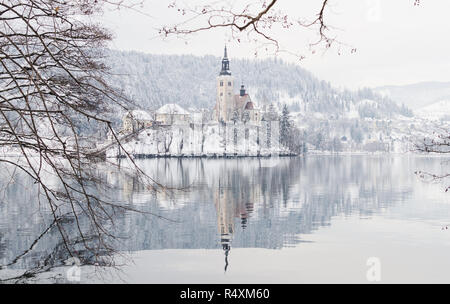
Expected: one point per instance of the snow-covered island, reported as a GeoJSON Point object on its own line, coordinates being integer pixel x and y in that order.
{"type": "Point", "coordinates": [236, 126]}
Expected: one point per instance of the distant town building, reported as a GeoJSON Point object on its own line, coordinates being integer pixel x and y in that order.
{"type": "Point", "coordinates": [170, 114]}
{"type": "Point", "coordinates": [136, 120]}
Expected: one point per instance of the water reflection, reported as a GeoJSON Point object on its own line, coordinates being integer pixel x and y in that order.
{"type": "Point", "coordinates": [226, 203]}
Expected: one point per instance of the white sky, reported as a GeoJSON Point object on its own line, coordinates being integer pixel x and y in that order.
{"type": "Point", "coordinates": [397, 43]}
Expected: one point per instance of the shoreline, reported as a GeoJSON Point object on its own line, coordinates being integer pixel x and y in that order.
{"type": "Point", "coordinates": [262, 155]}
{"type": "Point", "coordinates": [212, 155]}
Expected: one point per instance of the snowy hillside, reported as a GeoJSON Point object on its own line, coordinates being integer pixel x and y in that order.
{"type": "Point", "coordinates": [435, 111]}
{"type": "Point", "coordinates": [190, 81]}
{"type": "Point", "coordinates": [417, 95]}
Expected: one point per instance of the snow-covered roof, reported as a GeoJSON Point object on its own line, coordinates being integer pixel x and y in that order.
{"type": "Point", "coordinates": [140, 115]}
{"type": "Point", "coordinates": [241, 101]}
{"type": "Point", "coordinates": [171, 108]}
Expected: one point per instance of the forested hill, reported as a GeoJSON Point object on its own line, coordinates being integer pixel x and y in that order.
{"type": "Point", "coordinates": [154, 80]}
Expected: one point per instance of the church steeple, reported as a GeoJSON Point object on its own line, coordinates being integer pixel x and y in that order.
{"type": "Point", "coordinates": [225, 90]}
{"type": "Point", "coordinates": [225, 64]}
{"type": "Point", "coordinates": [242, 91]}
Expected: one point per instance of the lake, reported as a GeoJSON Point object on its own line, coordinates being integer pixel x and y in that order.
{"type": "Point", "coordinates": [312, 219]}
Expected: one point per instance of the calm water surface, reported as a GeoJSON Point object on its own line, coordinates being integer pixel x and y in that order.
{"type": "Point", "coordinates": [248, 220]}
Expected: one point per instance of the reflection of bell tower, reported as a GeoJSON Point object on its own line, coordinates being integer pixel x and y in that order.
{"type": "Point", "coordinates": [225, 219]}
{"type": "Point", "coordinates": [245, 213]}
{"type": "Point", "coordinates": [225, 90]}
{"type": "Point", "coordinates": [234, 201]}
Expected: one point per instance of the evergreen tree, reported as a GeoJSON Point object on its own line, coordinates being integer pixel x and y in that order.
{"type": "Point", "coordinates": [235, 116]}
{"type": "Point", "coordinates": [285, 127]}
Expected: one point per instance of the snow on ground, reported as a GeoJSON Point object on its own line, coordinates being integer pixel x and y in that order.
{"type": "Point", "coordinates": [204, 140]}
{"type": "Point", "coordinates": [288, 100]}
{"type": "Point", "coordinates": [171, 109]}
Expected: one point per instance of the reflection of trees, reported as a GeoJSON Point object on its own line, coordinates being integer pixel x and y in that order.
{"type": "Point", "coordinates": [35, 248]}
{"type": "Point", "coordinates": [268, 207]}
{"type": "Point", "coordinates": [30, 231]}
{"type": "Point", "coordinates": [238, 202]}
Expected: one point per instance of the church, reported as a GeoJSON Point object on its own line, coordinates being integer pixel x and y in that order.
{"type": "Point", "coordinates": [230, 106]}
{"type": "Point", "coordinates": [236, 126]}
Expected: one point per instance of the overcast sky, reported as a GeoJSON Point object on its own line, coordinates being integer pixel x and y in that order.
{"type": "Point", "coordinates": [397, 43]}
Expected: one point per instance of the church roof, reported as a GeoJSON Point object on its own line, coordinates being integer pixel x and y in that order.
{"type": "Point", "coordinates": [139, 115]}
{"type": "Point", "coordinates": [241, 102]}
{"type": "Point", "coordinates": [171, 108]}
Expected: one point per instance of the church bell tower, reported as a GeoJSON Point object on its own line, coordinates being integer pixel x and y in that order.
{"type": "Point", "coordinates": [225, 90]}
